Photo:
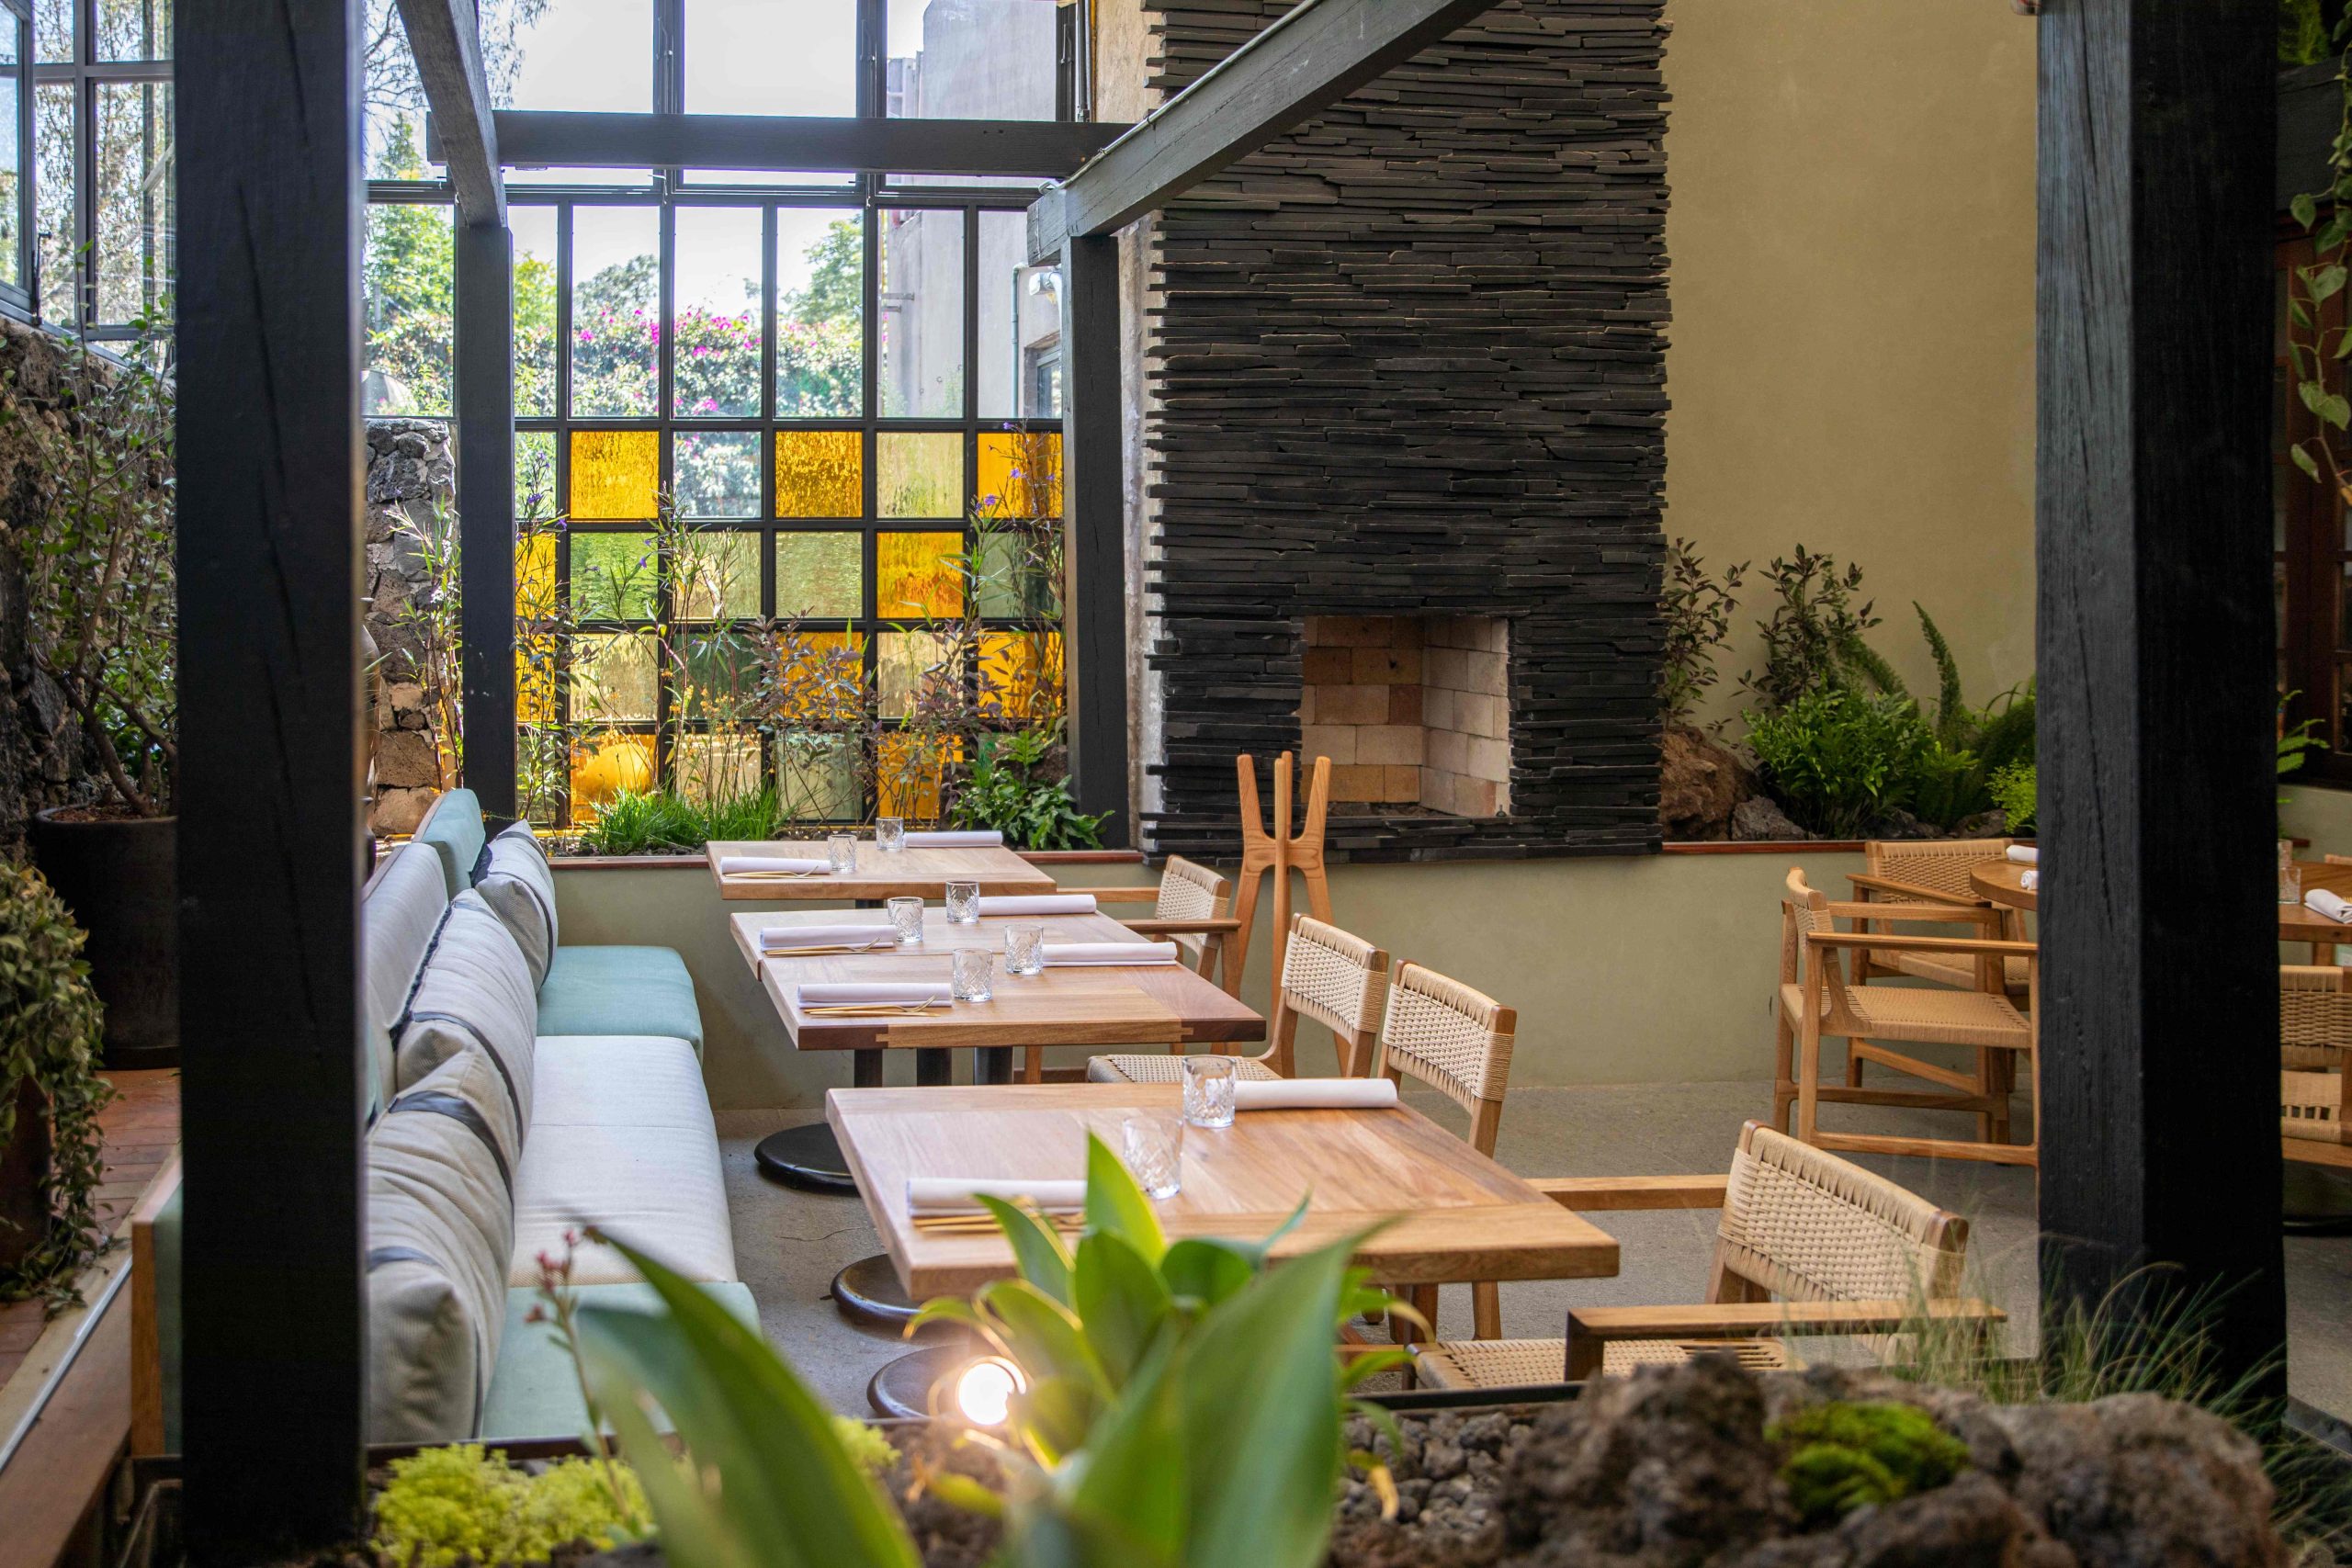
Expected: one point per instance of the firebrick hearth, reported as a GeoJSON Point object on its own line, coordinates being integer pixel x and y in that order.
{"type": "Point", "coordinates": [1412, 710]}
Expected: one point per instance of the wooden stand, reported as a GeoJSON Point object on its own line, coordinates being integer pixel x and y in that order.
{"type": "Point", "coordinates": [1280, 854]}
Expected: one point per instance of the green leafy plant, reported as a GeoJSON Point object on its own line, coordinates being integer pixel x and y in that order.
{"type": "Point", "coordinates": [1698, 607]}
{"type": "Point", "coordinates": [1971, 744]}
{"type": "Point", "coordinates": [444, 1506]}
{"type": "Point", "coordinates": [2315, 350]}
{"type": "Point", "coordinates": [1844, 1455]}
{"type": "Point", "coordinates": [50, 1038]}
{"type": "Point", "coordinates": [1837, 760]}
{"type": "Point", "coordinates": [657, 822]}
{"type": "Point", "coordinates": [2303, 32]}
{"type": "Point", "coordinates": [1813, 640]}
{"type": "Point", "coordinates": [1007, 790]}
{"type": "Point", "coordinates": [2014, 790]}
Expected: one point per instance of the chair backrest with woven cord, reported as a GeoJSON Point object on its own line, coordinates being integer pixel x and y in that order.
{"type": "Point", "coordinates": [1939, 865]}
{"type": "Point", "coordinates": [1805, 911]}
{"type": "Point", "coordinates": [2314, 1040]}
{"type": "Point", "coordinates": [1338, 979]}
{"type": "Point", "coordinates": [1189, 891]}
{"type": "Point", "coordinates": [1800, 1225]}
{"type": "Point", "coordinates": [1453, 1038]}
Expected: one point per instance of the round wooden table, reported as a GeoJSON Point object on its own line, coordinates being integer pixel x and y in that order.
{"type": "Point", "coordinates": [2002, 882]}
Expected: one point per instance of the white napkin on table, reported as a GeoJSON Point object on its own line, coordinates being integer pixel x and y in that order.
{"type": "Point", "coordinates": [961, 1194]}
{"type": "Point", "coordinates": [2024, 854]}
{"type": "Point", "coordinates": [1312, 1094]}
{"type": "Point", "coordinates": [953, 839]}
{"type": "Point", "coordinates": [871, 993]}
{"type": "Point", "coordinates": [2320, 901]}
{"type": "Point", "coordinates": [752, 865]}
{"type": "Point", "coordinates": [1037, 904]}
{"type": "Point", "coordinates": [874, 936]}
{"type": "Point", "coordinates": [1075, 955]}
{"type": "Point", "coordinates": [2029, 881]}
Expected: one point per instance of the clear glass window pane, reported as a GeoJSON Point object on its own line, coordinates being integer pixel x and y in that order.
{"type": "Point", "coordinates": [821, 313]}
{"type": "Point", "coordinates": [534, 475]}
{"type": "Point", "coordinates": [819, 473]}
{"type": "Point", "coordinates": [717, 473]}
{"type": "Point", "coordinates": [816, 777]}
{"type": "Point", "coordinates": [616, 303]}
{"type": "Point", "coordinates": [1021, 324]}
{"type": "Point", "coordinates": [734, 47]}
{"type": "Point", "coordinates": [133, 180]}
{"type": "Point", "coordinates": [572, 54]}
{"type": "Point", "coordinates": [819, 576]}
{"type": "Point", "coordinates": [612, 677]}
{"type": "Point", "coordinates": [133, 30]}
{"type": "Point", "coordinates": [971, 58]}
{"type": "Point", "coordinates": [53, 29]}
{"type": "Point", "coordinates": [615, 577]}
{"type": "Point", "coordinates": [61, 260]}
{"type": "Point", "coordinates": [715, 768]}
{"type": "Point", "coordinates": [615, 473]}
{"type": "Point", "coordinates": [405, 283]}
{"type": "Point", "coordinates": [605, 766]}
{"type": "Point", "coordinates": [919, 473]}
{"type": "Point", "coordinates": [715, 341]}
{"type": "Point", "coordinates": [1020, 566]}
{"type": "Point", "coordinates": [1020, 473]}
{"type": "Point", "coordinates": [907, 664]}
{"type": "Point", "coordinates": [534, 231]}
{"type": "Point", "coordinates": [918, 576]}
{"type": "Point", "coordinates": [922, 314]}
{"type": "Point", "coordinates": [718, 575]}
{"type": "Point", "coordinates": [394, 98]}
{"type": "Point", "coordinates": [11, 156]}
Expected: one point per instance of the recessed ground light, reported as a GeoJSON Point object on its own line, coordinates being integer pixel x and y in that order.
{"type": "Point", "coordinates": [984, 1390]}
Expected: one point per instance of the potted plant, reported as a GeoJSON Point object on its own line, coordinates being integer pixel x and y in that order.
{"type": "Point", "coordinates": [50, 1092]}
{"type": "Point", "coordinates": [102, 607]}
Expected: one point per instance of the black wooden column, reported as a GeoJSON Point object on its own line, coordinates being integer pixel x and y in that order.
{"type": "Point", "coordinates": [271, 764]}
{"type": "Point", "coordinates": [485, 331]}
{"type": "Point", "coordinates": [1095, 618]}
{"type": "Point", "coordinates": [2159, 1013]}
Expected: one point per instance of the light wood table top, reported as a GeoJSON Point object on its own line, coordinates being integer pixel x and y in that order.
{"type": "Point", "coordinates": [2000, 881]}
{"type": "Point", "coordinates": [920, 872]}
{"type": "Point", "coordinates": [2003, 882]}
{"type": "Point", "coordinates": [938, 936]}
{"type": "Point", "coordinates": [1454, 1213]}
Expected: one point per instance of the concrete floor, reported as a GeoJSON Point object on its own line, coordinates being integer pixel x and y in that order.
{"type": "Point", "coordinates": [789, 1244]}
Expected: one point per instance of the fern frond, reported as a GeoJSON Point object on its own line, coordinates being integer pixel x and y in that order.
{"type": "Point", "coordinates": [1952, 711]}
{"type": "Point", "coordinates": [1865, 661]}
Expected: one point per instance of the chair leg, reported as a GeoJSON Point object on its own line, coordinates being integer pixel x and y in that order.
{"type": "Point", "coordinates": [1486, 1309]}
{"type": "Point", "coordinates": [1987, 1077]}
{"type": "Point", "coordinates": [1853, 1066]}
{"type": "Point", "coordinates": [1808, 1081]}
{"type": "Point", "coordinates": [1032, 1067]}
{"type": "Point", "coordinates": [1785, 1089]}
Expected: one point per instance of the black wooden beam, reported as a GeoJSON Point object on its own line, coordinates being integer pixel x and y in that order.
{"type": "Point", "coordinates": [1315, 55]}
{"type": "Point", "coordinates": [271, 764]}
{"type": "Point", "coordinates": [1046, 149]}
{"type": "Point", "coordinates": [1094, 558]}
{"type": "Point", "coordinates": [2159, 982]}
{"type": "Point", "coordinates": [485, 376]}
{"type": "Point", "coordinates": [446, 38]}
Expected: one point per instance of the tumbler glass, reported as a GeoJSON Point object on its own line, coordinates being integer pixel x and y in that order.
{"type": "Point", "coordinates": [841, 849]}
{"type": "Point", "coordinates": [889, 834]}
{"type": "Point", "coordinates": [1025, 949]}
{"type": "Point", "coordinates": [2291, 875]}
{"type": "Point", "coordinates": [974, 968]}
{"type": "Point", "coordinates": [905, 918]}
{"type": "Point", "coordinates": [1153, 1147]}
{"type": "Point", "coordinates": [1208, 1091]}
{"type": "Point", "coordinates": [962, 903]}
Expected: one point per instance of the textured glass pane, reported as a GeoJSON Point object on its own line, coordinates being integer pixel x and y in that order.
{"type": "Point", "coordinates": [919, 474]}
{"type": "Point", "coordinates": [11, 156]}
{"type": "Point", "coordinates": [615, 294]}
{"type": "Point", "coordinates": [53, 29]}
{"type": "Point", "coordinates": [607, 765]}
{"type": "Point", "coordinates": [907, 773]}
{"type": "Point", "coordinates": [534, 475]}
{"type": "Point", "coordinates": [819, 473]}
{"type": "Point", "coordinates": [1021, 324]}
{"type": "Point", "coordinates": [820, 312]}
{"type": "Point", "coordinates": [615, 577]}
{"type": "Point", "coordinates": [717, 473]}
{"type": "Point", "coordinates": [817, 778]}
{"type": "Point", "coordinates": [1021, 676]}
{"type": "Point", "coordinates": [133, 30]}
{"type": "Point", "coordinates": [405, 311]}
{"type": "Point", "coordinates": [1018, 568]}
{"type": "Point", "coordinates": [136, 221]}
{"type": "Point", "coordinates": [537, 678]}
{"type": "Point", "coordinates": [571, 54]}
{"type": "Point", "coordinates": [918, 576]}
{"type": "Point", "coordinates": [718, 575]}
{"type": "Point", "coordinates": [971, 58]}
{"type": "Point", "coordinates": [534, 229]}
{"type": "Point", "coordinates": [819, 576]}
{"type": "Point", "coordinates": [612, 677]}
{"type": "Point", "coordinates": [714, 353]}
{"type": "Point", "coordinates": [53, 141]}
{"type": "Point", "coordinates": [907, 665]}
{"type": "Point", "coordinates": [712, 768]}
{"type": "Point", "coordinates": [734, 49]}
{"type": "Point", "coordinates": [1021, 472]}
{"type": "Point", "coordinates": [716, 674]}
{"type": "Point", "coordinates": [819, 677]}
{"type": "Point", "coordinates": [922, 314]}
{"type": "Point", "coordinates": [615, 473]}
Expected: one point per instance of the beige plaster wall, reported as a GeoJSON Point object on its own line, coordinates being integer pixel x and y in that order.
{"type": "Point", "coordinates": [1851, 364]}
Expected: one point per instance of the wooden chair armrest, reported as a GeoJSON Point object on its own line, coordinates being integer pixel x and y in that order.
{"type": "Point", "coordinates": [1122, 895]}
{"type": "Point", "coordinates": [1599, 1193]}
{"type": "Point", "coordinates": [1591, 1329]}
{"type": "Point", "coordinates": [1983, 947]}
{"type": "Point", "coordinates": [1863, 881]}
{"type": "Point", "coordinates": [1945, 914]}
{"type": "Point", "coordinates": [146, 1334]}
{"type": "Point", "coordinates": [1204, 926]}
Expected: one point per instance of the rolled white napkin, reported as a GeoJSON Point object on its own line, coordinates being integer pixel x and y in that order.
{"type": "Point", "coordinates": [956, 839]}
{"type": "Point", "coordinates": [1037, 904]}
{"type": "Point", "coordinates": [962, 1194]}
{"type": "Point", "coordinates": [871, 993]}
{"type": "Point", "coordinates": [1077, 954]}
{"type": "Point", "coordinates": [1314, 1094]}
{"type": "Point", "coordinates": [2024, 854]}
{"type": "Point", "coordinates": [869, 935]}
{"type": "Point", "coordinates": [2320, 901]}
{"type": "Point", "coordinates": [752, 865]}
{"type": "Point", "coordinates": [2029, 881]}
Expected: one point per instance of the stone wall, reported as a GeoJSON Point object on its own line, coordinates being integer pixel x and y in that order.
{"type": "Point", "coordinates": [412, 484]}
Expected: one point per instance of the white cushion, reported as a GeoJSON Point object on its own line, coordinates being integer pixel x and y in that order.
{"type": "Point", "coordinates": [396, 925]}
{"type": "Point", "coordinates": [473, 994]}
{"type": "Point", "coordinates": [621, 1137]}
{"type": "Point", "coordinates": [519, 885]}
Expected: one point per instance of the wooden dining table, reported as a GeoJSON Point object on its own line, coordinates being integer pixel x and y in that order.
{"type": "Point", "coordinates": [921, 873]}
{"type": "Point", "coordinates": [2002, 882]}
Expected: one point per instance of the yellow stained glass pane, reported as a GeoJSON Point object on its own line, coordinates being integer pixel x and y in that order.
{"type": "Point", "coordinates": [604, 765]}
{"type": "Point", "coordinates": [615, 473]}
{"type": "Point", "coordinates": [918, 576]}
{"type": "Point", "coordinates": [538, 679]}
{"type": "Point", "coordinates": [819, 677]}
{"type": "Point", "coordinates": [819, 576]}
{"type": "Point", "coordinates": [907, 773]}
{"type": "Point", "coordinates": [819, 473]}
{"type": "Point", "coordinates": [535, 577]}
{"type": "Point", "coordinates": [906, 665]}
{"type": "Point", "coordinates": [1022, 469]}
{"type": "Point", "coordinates": [919, 473]}
{"type": "Point", "coordinates": [1021, 676]}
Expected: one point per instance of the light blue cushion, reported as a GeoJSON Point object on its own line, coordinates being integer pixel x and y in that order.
{"type": "Point", "coordinates": [620, 990]}
{"type": "Point", "coordinates": [453, 829]}
{"type": "Point", "coordinates": [535, 1393]}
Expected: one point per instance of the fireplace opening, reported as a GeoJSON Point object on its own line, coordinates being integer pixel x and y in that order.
{"type": "Point", "coordinates": [1414, 711]}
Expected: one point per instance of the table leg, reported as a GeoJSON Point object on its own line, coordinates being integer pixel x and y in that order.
{"type": "Point", "coordinates": [934, 1068]}
{"type": "Point", "coordinates": [810, 1157]}
{"type": "Point", "coordinates": [992, 1063]}
{"type": "Point", "coordinates": [865, 1069]}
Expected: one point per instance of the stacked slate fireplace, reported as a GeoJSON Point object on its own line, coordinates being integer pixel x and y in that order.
{"type": "Point", "coordinates": [1405, 380]}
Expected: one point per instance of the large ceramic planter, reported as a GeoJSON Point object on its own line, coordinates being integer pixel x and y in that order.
{"type": "Point", "coordinates": [120, 878]}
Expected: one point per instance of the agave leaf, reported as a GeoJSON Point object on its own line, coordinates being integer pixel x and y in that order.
{"type": "Point", "coordinates": [1133, 1468]}
{"type": "Point", "coordinates": [1122, 1301]}
{"type": "Point", "coordinates": [1116, 1206]}
{"type": "Point", "coordinates": [1055, 1414]}
{"type": "Point", "coordinates": [1042, 1335]}
{"type": "Point", "coordinates": [1205, 1271]}
{"type": "Point", "coordinates": [1357, 1370]}
{"type": "Point", "coordinates": [1036, 1246]}
{"type": "Point", "coordinates": [960, 1311]}
{"type": "Point", "coordinates": [694, 1533]}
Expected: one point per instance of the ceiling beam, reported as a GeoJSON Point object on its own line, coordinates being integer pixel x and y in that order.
{"type": "Point", "coordinates": [1046, 149]}
{"type": "Point", "coordinates": [446, 42]}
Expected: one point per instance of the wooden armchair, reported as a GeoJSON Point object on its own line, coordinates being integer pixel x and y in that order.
{"type": "Point", "coordinates": [2314, 1039]}
{"type": "Point", "coordinates": [1193, 908]}
{"type": "Point", "coordinates": [1927, 870]}
{"type": "Point", "coordinates": [1809, 1243]}
{"type": "Point", "coordinates": [1816, 1000]}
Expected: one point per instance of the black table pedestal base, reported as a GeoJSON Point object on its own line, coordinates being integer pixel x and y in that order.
{"type": "Point", "coordinates": [867, 1292]}
{"type": "Point", "coordinates": [807, 1156]}
{"type": "Point", "coordinates": [2318, 1199]}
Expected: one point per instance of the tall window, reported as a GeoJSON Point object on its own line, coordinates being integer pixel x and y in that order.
{"type": "Point", "coordinates": [102, 137]}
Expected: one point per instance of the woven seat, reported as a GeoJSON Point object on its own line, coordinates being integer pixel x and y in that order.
{"type": "Point", "coordinates": [2314, 1041]}
{"type": "Point", "coordinates": [1188, 908]}
{"type": "Point", "coordinates": [1800, 1227]}
{"type": "Point", "coordinates": [1162, 1069]}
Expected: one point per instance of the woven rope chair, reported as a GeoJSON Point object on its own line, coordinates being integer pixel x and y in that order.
{"type": "Point", "coordinates": [1927, 870]}
{"type": "Point", "coordinates": [2314, 1040]}
{"type": "Point", "coordinates": [1808, 1244]}
{"type": "Point", "coordinates": [1331, 976]}
{"type": "Point", "coordinates": [1816, 1000]}
{"type": "Point", "coordinates": [1192, 906]}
